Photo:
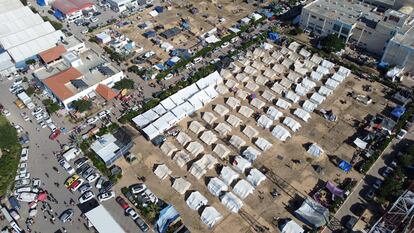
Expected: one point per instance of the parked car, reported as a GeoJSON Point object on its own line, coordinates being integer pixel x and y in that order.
{"type": "Point", "coordinates": [70, 180]}
{"type": "Point", "coordinates": [158, 140]}
{"type": "Point", "coordinates": [55, 134]}
{"type": "Point", "coordinates": [87, 172]}
{"type": "Point", "coordinates": [350, 223]}
{"type": "Point", "coordinates": [37, 182]}
{"type": "Point", "coordinates": [121, 201]}
{"type": "Point", "coordinates": [66, 215]}
{"type": "Point", "coordinates": [79, 162]}
{"type": "Point", "coordinates": [24, 155]}
{"type": "Point", "coordinates": [377, 184]}
{"type": "Point", "coordinates": [225, 44]}
{"type": "Point", "coordinates": [401, 134]}
{"type": "Point", "coordinates": [92, 120]}
{"type": "Point", "coordinates": [370, 194]}
{"type": "Point", "coordinates": [141, 224]}
{"type": "Point", "coordinates": [92, 177]}
{"type": "Point", "coordinates": [387, 172]}
{"type": "Point", "coordinates": [138, 188]}
{"type": "Point", "coordinates": [86, 197]}
{"type": "Point", "coordinates": [67, 166]}
{"type": "Point", "coordinates": [77, 184]}
{"type": "Point", "coordinates": [131, 212]}
{"type": "Point", "coordinates": [84, 188]}
{"type": "Point", "coordinates": [106, 196]}
{"type": "Point", "coordinates": [99, 182]}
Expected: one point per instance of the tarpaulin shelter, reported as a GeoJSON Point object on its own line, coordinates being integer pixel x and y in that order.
{"type": "Point", "coordinates": [290, 95]}
{"type": "Point", "coordinates": [302, 114]}
{"type": "Point", "coordinates": [237, 142]}
{"type": "Point", "coordinates": [398, 111]}
{"type": "Point", "coordinates": [250, 132]}
{"type": "Point", "coordinates": [222, 89]}
{"type": "Point", "coordinates": [293, 76]}
{"type": "Point", "coordinates": [263, 144]}
{"type": "Point", "coordinates": [281, 103]}
{"type": "Point", "coordinates": [209, 117]}
{"type": "Point", "coordinates": [196, 127]}
{"type": "Point", "coordinates": [243, 189]}
{"type": "Point", "coordinates": [268, 95]}
{"type": "Point", "coordinates": [251, 86]}
{"type": "Point", "coordinates": [317, 98]}
{"type": "Point", "coordinates": [313, 213]}
{"type": "Point", "coordinates": [316, 76]}
{"type": "Point", "coordinates": [240, 164]}
{"type": "Point", "coordinates": [327, 64]}
{"type": "Point", "coordinates": [337, 77]}
{"type": "Point", "coordinates": [255, 177]}
{"type": "Point", "coordinates": [242, 77]}
{"type": "Point", "coordinates": [257, 103]}
{"type": "Point", "coordinates": [242, 94]}
{"type": "Point", "coordinates": [261, 80]}
{"type": "Point", "coordinates": [301, 90]}
{"type": "Point", "coordinates": [292, 124]}
{"type": "Point", "coordinates": [280, 133]}
{"type": "Point", "coordinates": [208, 137]}
{"type": "Point", "coordinates": [251, 154]}
{"type": "Point", "coordinates": [228, 175]}
{"type": "Point", "coordinates": [309, 106]}
{"type": "Point", "coordinates": [334, 190]}
{"type": "Point", "coordinates": [273, 113]}
{"type": "Point", "coordinates": [246, 111]}
{"type": "Point", "coordinates": [231, 202]}
{"type": "Point", "coordinates": [315, 150]}
{"type": "Point", "coordinates": [181, 158]}
{"type": "Point", "coordinates": [286, 83]}
{"type": "Point", "coordinates": [290, 227]}
{"type": "Point", "coordinates": [332, 84]}
{"type": "Point", "coordinates": [360, 143]}
{"type": "Point", "coordinates": [196, 200]}
{"type": "Point", "coordinates": [168, 148]}
{"type": "Point", "coordinates": [316, 59]}
{"type": "Point", "coordinates": [325, 91]}
{"type": "Point", "coordinates": [287, 63]}
{"type": "Point", "coordinates": [274, 36]}
{"type": "Point", "coordinates": [221, 110]}
{"type": "Point", "coordinates": [233, 120]}
{"type": "Point", "coordinates": [181, 185]}
{"type": "Point", "coordinates": [345, 166]}
{"type": "Point", "coordinates": [195, 148]}
{"type": "Point", "coordinates": [216, 186]}
{"type": "Point", "coordinates": [308, 84]}
{"type": "Point", "coordinates": [270, 73]}
{"type": "Point", "coordinates": [233, 102]}
{"type": "Point", "coordinates": [167, 216]}
{"type": "Point", "coordinates": [223, 128]}
{"type": "Point", "coordinates": [278, 88]}
{"type": "Point", "coordinates": [183, 138]}
{"type": "Point", "coordinates": [344, 71]}
{"type": "Point", "coordinates": [222, 151]}
{"type": "Point", "coordinates": [264, 122]}
{"type": "Point", "coordinates": [210, 216]}
{"type": "Point", "coordinates": [162, 171]}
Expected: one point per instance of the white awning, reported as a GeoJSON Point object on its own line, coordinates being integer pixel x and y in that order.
{"type": "Point", "coordinates": [196, 200]}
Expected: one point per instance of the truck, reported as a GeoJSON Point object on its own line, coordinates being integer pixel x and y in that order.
{"type": "Point", "coordinates": [26, 100]}
{"type": "Point", "coordinates": [71, 153]}
{"type": "Point", "coordinates": [27, 197]}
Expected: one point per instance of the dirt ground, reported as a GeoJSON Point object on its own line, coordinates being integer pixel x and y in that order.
{"type": "Point", "coordinates": [335, 138]}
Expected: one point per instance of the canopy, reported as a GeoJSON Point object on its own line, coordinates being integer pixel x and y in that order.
{"type": "Point", "coordinates": [183, 138]}
{"type": "Point", "coordinates": [246, 111]}
{"type": "Point", "coordinates": [317, 98]}
{"type": "Point", "coordinates": [291, 227]}
{"type": "Point", "coordinates": [195, 148]}
{"type": "Point", "coordinates": [280, 133]}
{"type": "Point", "coordinates": [273, 113]}
{"type": "Point", "coordinates": [264, 122]}
{"type": "Point", "coordinates": [196, 127]}
{"type": "Point", "coordinates": [208, 137]}
{"type": "Point", "coordinates": [263, 144]}
{"type": "Point", "coordinates": [210, 216]}
{"type": "Point", "coordinates": [242, 94]}
{"type": "Point", "coordinates": [250, 132]}
{"type": "Point", "coordinates": [233, 120]}
{"type": "Point", "coordinates": [255, 177]}
{"type": "Point", "coordinates": [237, 142]}
{"type": "Point", "coordinates": [221, 150]}
{"type": "Point", "coordinates": [325, 91]}
{"type": "Point", "coordinates": [209, 117]}
{"type": "Point", "coordinates": [257, 103]}
{"type": "Point", "coordinates": [216, 186]}
{"type": "Point", "coordinates": [316, 76]}
{"type": "Point", "coordinates": [302, 114]}
{"type": "Point", "coordinates": [313, 213]}
{"type": "Point", "coordinates": [278, 88]}
{"type": "Point", "coordinates": [223, 128]}
{"type": "Point", "coordinates": [345, 166]}
{"type": "Point", "coordinates": [360, 143]}
{"type": "Point", "coordinates": [290, 95]}
{"type": "Point", "coordinates": [398, 111]}
{"type": "Point", "coordinates": [196, 200]}
{"type": "Point", "coordinates": [159, 109]}
{"type": "Point", "coordinates": [233, 102]}
{"type": "Point", "coordinates": [168, 104]}
{"type": "Point", "coordinates": [292, 124]}
{"type": "Point", "coordinates": [221, 110]}
{"type": "Point", "coordinates": [332, 84]}
{"type": "Point", "coordinates": [315, 150]}
{"type": "Point", "coordinates": [243, 189]}
{"type": "Point", "coordinates": [241, 164]}
{"type": "Point", "coordinates": [268, 95]}
{"type": "Point", "coordinates": [181, 158]}
{"type": "Point", "coordinates": [231, 202]}
{"type": "Point", "coordinates": [228, 175]}
{"type": "Point", "coordinates": [251, 154]}
{"type": "Point", "coordinates": [309, 106]}
{"type": "Point", "coordinates": [162, 171]}
{"type": "Point", "coordinates": [252, 86]}
{"type": "Point", "coordinates": [168, 148]}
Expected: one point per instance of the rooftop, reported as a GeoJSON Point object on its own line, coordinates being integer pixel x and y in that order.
{"type": "Point", "coordinates": [102, 220]}
{"type": "Point", "coordinates": [8, 5]}
{"type": "Point", "coordinates": [52, 53]}
{"type": "Point", "coordinates": [105, 147]}
{"type": "Point", "coordinates": [406, 39]}
{"type": "Point", "coordinates": [71, 6]}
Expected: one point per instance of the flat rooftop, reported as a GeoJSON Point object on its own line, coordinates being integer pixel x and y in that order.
{"type": "Point", "coordinates": [406, 39]}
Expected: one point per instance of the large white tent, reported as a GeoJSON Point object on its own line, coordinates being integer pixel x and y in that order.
{"type": "Point", "coordinates": [264, 122]}
{"type": "Point", "coordinates": [209, 117]}
{"type": "Point", "coordinates": [257, 103]}
{"type": "Point", "coordinates": [151, 132]}
{"type": "Point", "coordinates": [255, 177]}
{"type": "Point", "coordinates": [162, 171]}
{"type": "Point", "coordinates": [210, 216]}
{"type": "Point", "coordinates": [263, 144]}
{"type": "Point", "coordinates": [216, 186]}
{"type": "Point", "coordinates": [325, 91]}
{"type": "Point", "coordinates": [309, 105]}
{"type": "Point", "coordinates": [195, 148]}
{"type": "Point", "coordinates": [337, 77]}
{"type": "Point", "coordinates": [228, 175]}
{"type": "Point", "coordinates": [293, 76]}
{"type": "Point", "coordinates": [323, 70]}
{"type": "Point", "coordinates": [251, 86]}
{"type": "Point", "coordinates": [237, 142]}
{"type": "Point", "coordinates": [221, 151]}
{"type": "Point", "coordinates": [168, 148]}
{"type": "Point", "coordinates": [159, 109]}
{"type": "Point", "coordinates": [231, 202]}
{"type": "Point", "coordinates": [241, 94]}
{"type": "Point", "coordinates": [268, 95]}
{"type": "Point", "coordinates": [291, 227]}
{"type": "Point", "coordinates": [251, 154]}
{"type": "Point", "coordinates": [221, 110]}
{"type": "Point", "coordinates": [278, 88]}
{"type": "Point", "coordinates": [290, 95]}
{"type": "Point", "coordinates": [250, 131]}
{"type": "Point", "coordinates": [344, 71]}
{"type": "Point", "coordinates": [242, 77]}
{"type": "Point", "coordinates": [301, 90]}
{"type": "Point", "coordinates": [222, 89]}
{"type": "Point", "coordinates": [196, 200]}
{"type": "Point", "coordinates": [208, 137]}
{"type": "Point", "coordinates": [246, 111]}
{"type": "Point", "coordinates": [270, 73]}
{"type": "Point", "coordinates": [223, 128]}
{"type": "Point", "coordinates": [302, 114]}
{"type": "Point", "coordinates": [168, 104]}
{"type": "Point", "coordinates": [292, 124]}
{"type": "Point", "coordinates": [316, 76]}
{"type": "Point", "coordinates": [210, 80]}
{"type": "Point", "coordinates": [233, 102]}
{"type": "Point", "coordinates": [286, 83]}
{"type": "Point", "coordinates": [243, 189]}
{"type": "Point", "coordinates": [183, 138]}
{"type": "Point", "coordinates": [281, 103]}
{"type": "Point", "coordinates": [181, 185]}
{"type": "Point", "coordinates": [240, 164]}
{"type": "Point", "coordinates": [308, 84]}
{"type": "Point", "coordinates": [196, 127]}
{"type": "Point", "coordinates": [327, 64]}
{"type": "Point", "coordinates": [315, 150]}
{"type": "Point", "coordinates": [261, 80]}
{"type": "Point", "coordinates": [280, 133]}
{"type": "Point", "coordinates": [331, 83]}
{"type": "Point", "coordinates": [211, 92]}
{"type": "Point", "coordinates": [233, 120]}
{"type": "Point", "coordinates": [230, 83]}
{"type": "Point", "coordinates": [317, 98]}
{"type": "Point", "coordinates": [273, 113]}
{"type": "Point", "coordinates": [181, 158]}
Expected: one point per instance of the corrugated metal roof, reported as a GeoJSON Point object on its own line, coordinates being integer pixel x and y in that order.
{"type": "Point", "coordinates": [17, 20]}
{"type": "Point", "coordinates": [70, 6]}
{"type": "Point", "coordinates": [8, 5]}
{"type": "Point", "coordinates": [26, 35]}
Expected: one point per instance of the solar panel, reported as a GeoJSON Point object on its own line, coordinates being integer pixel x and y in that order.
{"type": "Point", "coordinates": [106, 70]}
{"type": "Point", "coordinates": [79, 84]}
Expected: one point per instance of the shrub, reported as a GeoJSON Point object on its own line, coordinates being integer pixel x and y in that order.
{"type": "Point", "coordinates": [332, 43]}
{"type": "Point", "coordinates": [82, 105]}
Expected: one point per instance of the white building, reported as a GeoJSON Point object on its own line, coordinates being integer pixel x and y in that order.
{"type": "Point", "coordinates": [122, 5]}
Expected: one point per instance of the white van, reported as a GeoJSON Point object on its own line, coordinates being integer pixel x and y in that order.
{"type": "Point", "coordinates": [198, 59]}
{"type": "Point", "coordinates": [71, 153]}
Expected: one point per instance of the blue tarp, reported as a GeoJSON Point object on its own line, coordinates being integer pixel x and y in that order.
{"type": "Point", "coordinates": [167, 215]}
{"type": "Point", "coordinates": [274, 36]}
{"type": "Point", "coordinates": [398, 111]}
{"type": "Point", "coordinates": [41, 2]}
{"type": "Point", "coordinates": [159, 9]}
{"type": "Point", "coordinates": [170, 63]}
{"type": "Point", "coordinates": [149, 34]}
{"type": "Point", "coordinates": [161, 66]}
{"type": "Point", "coordinates": [58, 15]}
{"type": "Point", "coordinates": [383, 65]}
{"type": "Point", "coordinates": [345, 166]}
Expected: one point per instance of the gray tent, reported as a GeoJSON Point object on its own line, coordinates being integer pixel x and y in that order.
{"type": "Point", "coordinates": [313, 213]}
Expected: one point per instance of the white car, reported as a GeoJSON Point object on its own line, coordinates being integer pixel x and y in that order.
{"type": "Point", "coordinates": [99, 182]}
{"type": "Point", "coordinates": [22, 176]}
{"type": "Point", "coordinates": [36, 111]}
{"type": "Point", "coordinates": [131, 212]}
{"type": "Point", "coordinates": [92, 120]}
{"type": "Point", "coordinates": [106, 196]}
{"type": "Point", "coordinates": [24, 155]}
{"type": "Point", "coordinates": [169, 76]}
{"type": "Point", "coordinates": [225, 44]}
{"type": "Point", "coordinates": [92, 177]}
{"type": "Point", "coordinates": [42, 124]}
{"type": "Point", "coordinates": [67, 167]}
{"type": "Point", "coordinates": [17, 81]}
{"type": "Point", "coordinates": [102, 114]}
{"type": "Point", "coordinates": [197, 60]}
{"type": "Point", "coordinates": [86, 197]}
{"type": "Point", "coordinates": [189, 65]}
{"type": "Point", "coordinates": [18, 128]}
{"type": "Point", "coordinates": [25, 116]}
{"type": "Point", "coordinates": [23, 168]}
{"type": "Point", "coordinates": [6, 112]}
{"type": "Point", "coordinates": [401, 134]}
{"type": "Point", "coordinates": [52, 127]}
{"type": "Point", "coordinates": [37, 182]}
{"type": "Point", "coordinates": [94, 19]}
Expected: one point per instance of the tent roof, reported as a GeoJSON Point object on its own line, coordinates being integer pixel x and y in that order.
{"type": "Point", "coordinates": [309, 106]}
{"type": "Point", "coordinates": [281, 103]}
{"type": "Point", "coordinates": [151, 131]}
{"type": "Point", "coordinates": [255, 177]}
{"type": "Point", "coordinates": [290, 95]}
{"type": "Point", "coordinates": [286, 83]}
{"type": "Point", "coordinates": [263, 144]}
{"type": "Point", "coordinates": [301, 90]}
{"type": "Point", "coordinates": [250, 131]}
{"type": "Point", "coordinates": [337, 77]}
{"type": "Point", "coordinates": [268, 95]}
{"type": "Point", "coordinates": [237, 142]}
{"type": "Point", "coordinates": [246, 111]}
{"type": "Point", "coordinates": [240, 164]}
{"type": "Point", "coordinates": [196, 127]}
{"type": "Point", "coordinates": [317, 98]}
{"type": "Point", "coordinates": [331, 83]}
{"type": "Point", "coordinates": [280, 133]}
{"type": "Point", "coordinates": [231, 202]}
{"type": "Point", "coordinates": [252, 86]}
{"type": "Point", "coordinates": [291, 227]}
{"type": "Point", "coordinates": [221, 110]}
{"type": "Point", "coordinates": [242, 94]}
{"type": "Point", "coordinates": [233, 102]}
{"type": "Point", "coordinates": [279, 68]}
{"type": "Point", "coordinates": [221, 150]}
{"type": "Point", "coordinates": [313, 213]}
{"type": "Point", "coordinates": [183, 138]}
{"type": "Point", "coordinates": [251, 154]}
{"type": "Point", "coordinates": [292, 124]}
{"type": "Point", "coordinates": [222, 89]}
{"type": "Point", "coordinates": [278, 88]}
{"type": "Point", "coordinates": [315, 150]}
{"type": "Point", "coordinates": [195, 148]}
{"type": "Point", "coordinates": [302, 114]}
{"type": "Point", "coordinates": [223, 128]}
{"type": "Point", "coordinates": [316, 76]}
{"type": "Point", "coordinates": [181, 158]}
{"type": "Point", "coordinates": [273, 113]}
{"type": "Point", "coordinates": [216, 186]}
{"type": "Point", "coordinates": [270, 73]}
{"type": "Point", "coordinates": [181, 185]}
{"type": "Point", "coordinates": [243, 189]}
{"type": "Point", "coordinates": [323, 70]}
{"type": "Point", "coordinates": [256, 102]}
{"type": "Point", "coordinates": [228, 175]}
{"type": "Point", "coordinates": [344, 71]}
{"type": "Point", "coordinates": [230, 83]}
{"type": "Point", "coordinates": [264, 122]}
{"type": "Point", "coordinates": [316, 59]}
{"type": "Point", "coordinates": [210, 216]}
{"type": "Point", "coordinates": [242, 77]}
{"type": "Point", "coordinates": [325, 91]}
{"type": "Point", "coordinates": [233, 120]}
{"type": "Point", "coordinates": [159, 109]}
{"type": "Point", "coordinates": [327, 64]}
{"type": "Point", "coordinates": [208, 137]}
{"type": "Point", "coordinates": [162, 171]}
{"type": "Point", "coordinates": [168, 148]}
{"type": "Point", "coordinates": [196, 200]}
{"type": "Point", "coordinates": [209, 117]}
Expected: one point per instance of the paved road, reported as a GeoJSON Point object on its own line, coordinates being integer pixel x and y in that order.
{"type": "Point", "coordinates": [364, 185]}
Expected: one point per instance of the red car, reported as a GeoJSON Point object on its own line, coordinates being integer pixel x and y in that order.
{"type": "Point", "coordinates": [121, 201]}
{"type": "Point", "coordinates": [54, 135]}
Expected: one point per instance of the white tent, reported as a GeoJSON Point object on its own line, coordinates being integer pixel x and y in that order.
{"type": "Point", "coordinates": [223, 129]}
{"type": "Point", "coordinates": [231, 202]}
{"type": "Point", "coordinates": [181, 185]}
{"type": "Point", "coordinates": [221, 110]}
{"type": "Point", "coordinates": [281, 103]}
{"type": "Point", "coordinates": [277, 55]}
{"type": "Point", "coordinates": [196, 200]}
{"type": "Point", "coordinates": [323, 70]}
{"type": "Point", "coordinates": [210, 80]}
{"type": "Point", "coordinates": [196, 103]}
{"type": "Point", "coordinates": [261, 80]}
{"type": "Point", "coordinates": [308, 84]}
{"type": "Point", "coordinates": [196, 127]}
{"type": "Point", "coordinates": [317, 98]}
{"type": "Point", "coordinates": [243, 189]}
{"type": "Point", "coordinates": [286, 83]}
{"type": "Point", "coordinates": [250, 70]}
{"type": "Point", "coordinates": [230, 83]}
{"type": "Point", "coordinates": [233, 102]}
{"type": "Point", "coordinates": [210, 216]}
{"type": "Point", "coordinates": [294, 46]}
{"type": "Point", "coordinates": [222, 151]}
{"type": "Point", "coordinates": [325, 91]}
{"type": "Point", "coordinates": [255, 177]}
{"type": "Point", "coordinates": [263, 144]}
{"type": "Point", "coordinates": [268, 95]}
{"type": "Point", "coordinates": [250, 132]}
{"type": "Point", "coordinates": [233, 120]}
{"type": "Point", "coordinates": [290, 95]}
{"type": "Point", "coordinates": [140, 121]}
{"type": "Point", "coordinates": [292, 124]}
{"type": "Point", "coordinates": [252, 86]}
{"type": "Point", "coordinates": [280, 133]}
{"type": "Point", "coordinates": [337, 77]}
{"type": "Point", "coordinates": [168, 148]}
{"type": "Point", "coordinates": [251, 154]}
{"type": "Point", "coordinates": [228, 175]}
{"type": "Point", "coordinates": [258, 52]}
{"type": "Point", "coordinates": [309, 64]}
{"type": "Point", "coordinates": [237, 142]}
{"type": "Point", "coordinates": [278, 88]}
{"type": "Point", "coordinates": [316, 59]}
{"type": "Point", "coordinates": [181, 158]}
{"type": "Point", "coordinates": [293, 76]}
{"type": "Point", "coordinates": [177, 99]}
{"type": "Point", "coordinates": [202, 96]}
{"type": "Point", "coordinates": [246, 111]}
{"type": "Point", "coordinates": [268, 60]}
{"type": "Point", "coordinates": [258, 65]}
{"type": "Point", "coordinates": [165, 122]}
{"type": "Point", "coordinates": [291, 227]}
{"type": "Point", "coordinates": [150, 115]}
{"type": "Point", "coordinates": [183, 138]}
{"type": "Point", "coordinates": [242, 77]}
{"type": "Point", "coordinates": [197, 171]}
{"type": "Point", "coordinates": [188, 91]}
{"type": "Point", "coordinates": [316, 76]}
{"type": "Point", "coordinates": [216, 186]}
{"type": "Point", "coordinates": [222, 89]}
{"type": "Point", "coordinates": [315, 150]}
{"type": "Point", "coordinates": [309, 106]}
{"type": "Point", "coordinates": [226, 74]}
{"type": "Point", "coordinates": [236, 67]}
{"type": "Point", "coordinates": [264, 122]}
{"type": "Point", "coordinates": [188, 108]}
{"type": "Point", "coordinates": [301, 70]}
{"type": "Point", "coordinates": [151, 132]}
{"type": "Point", "coordinates": [302, 114]}
{"type": "Point", "coordinates": [313, 213]}
{"type": "Point", "coordinates": [270, 73]}
{"type": "Point", "coordinates": [331, 83]}
{"type": "Point", "coordinates": [209, 117]}
{"type": "Point", "coordinates": [168, 104]}
{"type": "Point", "coordinates": [162, 171]}
{"type": "Point", "coordinates": [360, 143]}
{"type": "Point", "coordinates": [279, 68]}
{"type": "Point", "coordinates": [211, 92]}
{"type": "Point", "coordinates": [305, 53]}
{"type": "Point", "coordinates": [327, 64]}
{"type": "Point", "coordinates": [242, 94]}
{"type": "Point", "coordinates": [159, 109]}
{"type": "Point", "coordinates": [257, 103]}
{"type": "Point", "coordinates": [240, 164]}
{"type": "Point", "coordinates": [208, 137]}
{"type": "Point", "coordinates": [287, 63]}
{"type": "Point", "coordinates": [195, 148]}
{"type": "Point", "coordinates": [244, 61]}
{"type": "Point", "coordinates": [344, 71]}
{"type": "Point", "coordinates": [301, 90]}
{"type": "Point", "coordinates": [179, 112]}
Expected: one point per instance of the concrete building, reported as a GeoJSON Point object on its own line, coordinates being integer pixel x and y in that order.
{"type": "Point", "coordinates": [122, 5]}
{"type": "Point", "coordinates": [400, 51]}
{"type": "Point", "coordinates": [71, 10]}
{"type": "Point", "coordinates": [72, 76]}
{"type": "Point", "coordinates": [356, 22]}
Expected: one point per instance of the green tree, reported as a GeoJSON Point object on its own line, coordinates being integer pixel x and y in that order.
{"type": "Point", "coordinates": [151, 211]}
{"type": "Point", "coordinates": [332, 43]}
{"type": "Point", "coordinates": [51, 106]}
{"type": "Point", "coordinates": [124, 84]}
{"type": "Point", "coordinates": [390, 189]}
{"type": "Point", "coordinates": [30, 91]}
{"type": "Point", "coordinates": [30, 62]}
{"type": "Point", "coordinates": [82, 105]}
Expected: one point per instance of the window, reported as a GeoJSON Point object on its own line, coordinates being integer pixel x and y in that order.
{"type": "Point", "coordinates": [345, 31]}
{"type": "Point", "coordinates": [336, 27]}
{"type": "Point", "coordinates": [320, 19]}
{"type": "Point", "coordinates": [313, 17]}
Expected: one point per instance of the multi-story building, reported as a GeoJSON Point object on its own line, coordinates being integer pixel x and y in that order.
{"type": "Point", "coordinates": [358, 23]}
{"type": "Point", "coordinates": [71, 10]}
